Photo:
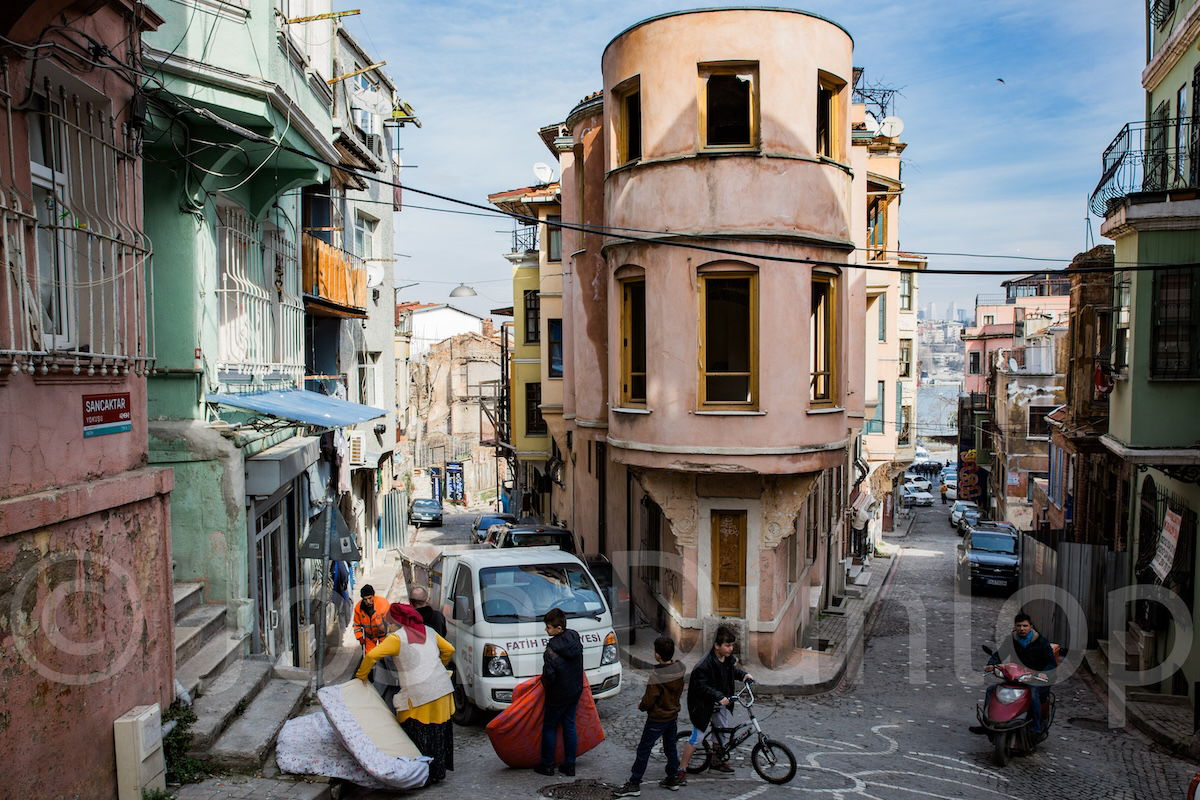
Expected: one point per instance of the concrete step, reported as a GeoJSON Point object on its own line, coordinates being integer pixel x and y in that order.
{"type": "Point", "coordinates": [245, 744]}
{"type": "Point", "coordinates": [230, 694]}
{"type": "Point", "coordinates": [198, 671]}
{"type": "Point", "coordinates": [1098, 662]}
{"type": "Point", "coordinates": [187, 596]}
{"type": "Point", "coordinates": [195, 629]}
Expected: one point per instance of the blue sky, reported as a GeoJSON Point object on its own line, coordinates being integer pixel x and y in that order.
{"type": "Point", "coordinates": [991, 167]}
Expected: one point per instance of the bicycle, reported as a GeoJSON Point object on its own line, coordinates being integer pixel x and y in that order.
{"type": "Point", "coordinates": [771, 759]}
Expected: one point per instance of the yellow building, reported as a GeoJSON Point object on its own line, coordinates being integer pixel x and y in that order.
{"type": "Point", "coordinates": [536, 360]}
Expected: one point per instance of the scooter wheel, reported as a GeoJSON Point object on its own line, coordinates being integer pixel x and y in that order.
{"type": "Point", "coordinates": [1000, 748]}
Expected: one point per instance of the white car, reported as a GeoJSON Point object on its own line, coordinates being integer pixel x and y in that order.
{"type": "Point", "coordinates": [915, 497]}
{"type": "Point", "coordinates": [956, 510]}
{"type": "Point", "coordinates": [919, 481]}
{"type": "Point", "coordinates": [951, 488]}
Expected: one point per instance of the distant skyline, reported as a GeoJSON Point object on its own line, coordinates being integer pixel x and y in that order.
{"type": "Point", "coordinates": [1006, 105]}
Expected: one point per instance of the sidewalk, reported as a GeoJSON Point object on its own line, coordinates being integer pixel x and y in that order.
{"type": "Point", "coordinates": [1165, 719]}
{"type": "Point", "coordinates": [808, 670]}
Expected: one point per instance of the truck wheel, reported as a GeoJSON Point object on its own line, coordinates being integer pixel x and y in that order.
{"type": "Point", "coordinates": [465, 712]}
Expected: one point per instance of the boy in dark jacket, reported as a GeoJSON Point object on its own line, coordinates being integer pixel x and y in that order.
{"type": "Point", "coordinates": [712, 683]}
{"type": "Point", "coordinates": [661, 704]}
{"type": "Point", "coordinates": [562, 683]}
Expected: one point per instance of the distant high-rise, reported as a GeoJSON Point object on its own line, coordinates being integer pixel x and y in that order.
{"type": "Point", "coordinates": [932, 312]}
{"type": "Point", "coordinates": [952, 310]}
{"type": "Point", "coordinates": [964, 316]}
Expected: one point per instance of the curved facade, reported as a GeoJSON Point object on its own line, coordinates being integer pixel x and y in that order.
{"type": "Point", "coordinates": [725, 106]}
{"type": "Point", "coordinates": [713, 363]}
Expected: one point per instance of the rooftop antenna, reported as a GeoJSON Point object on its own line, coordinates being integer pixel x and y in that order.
{"type": "Point", "coordinates": [1089, 239]}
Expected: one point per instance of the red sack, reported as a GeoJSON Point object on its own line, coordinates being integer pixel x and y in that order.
{"type": "Point", "coordinates": [516, 733]}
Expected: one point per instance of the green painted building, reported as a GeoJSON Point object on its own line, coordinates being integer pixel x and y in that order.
{"type": "Point", "coordinates": [1149, 197]}
{"type": "Point", "coordinates": [231, 82]}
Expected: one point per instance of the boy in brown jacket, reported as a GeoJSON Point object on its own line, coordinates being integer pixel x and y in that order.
{"type": "Point", "coordinates": [661, 704]}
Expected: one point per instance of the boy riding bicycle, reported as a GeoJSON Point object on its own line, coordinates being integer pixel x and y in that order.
{"type": "Point", "coordinates": [712, 684]}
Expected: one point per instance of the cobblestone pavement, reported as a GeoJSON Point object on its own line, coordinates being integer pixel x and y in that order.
{"type": "Point", "coordinates": [895, 728]}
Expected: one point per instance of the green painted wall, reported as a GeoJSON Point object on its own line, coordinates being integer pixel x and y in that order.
{"type": "Point", "coordinates": [1145, 412]}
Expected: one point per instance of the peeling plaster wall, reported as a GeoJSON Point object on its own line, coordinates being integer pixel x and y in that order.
{"type": "Point", "coordinates": [87, 631]}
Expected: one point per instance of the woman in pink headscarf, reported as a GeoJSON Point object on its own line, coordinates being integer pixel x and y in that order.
{"type": "Point", "coordinates": [425, 701]}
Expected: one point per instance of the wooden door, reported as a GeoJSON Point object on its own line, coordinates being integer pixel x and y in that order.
{"type": "Point", "coordinates": [729, 563]}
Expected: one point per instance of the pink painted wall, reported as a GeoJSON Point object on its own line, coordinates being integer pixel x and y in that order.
{"type": "Point", "coordinates": [781, 187]}
{"type": "Point", "coordinates": [90, 633]}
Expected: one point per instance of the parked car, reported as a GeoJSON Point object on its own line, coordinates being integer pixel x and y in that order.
{"type": "Point", "coordinates": [969, 518]}
{"type": "Point", "coordinates": [951, 485]}
{"type": "Point", "coordinates": [484, 521]}
{"type": "Point", "coordinates": [425, 511]}
{"type": "Point", "coordinates": [989, 556]}
{"type": "Point", "coordinates": [915, 497]}
{"type": "Point", "coordinates": [957, 509]}
{"type": "Point", "coordinates": [919, 481]}
{"type": "Point", "coordinates": [534, 536]}
{"type": "Point", "coordinates": [992, 525]}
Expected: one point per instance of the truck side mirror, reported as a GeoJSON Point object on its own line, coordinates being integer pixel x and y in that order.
{"type": "Point", "coordinates": [463, 610]}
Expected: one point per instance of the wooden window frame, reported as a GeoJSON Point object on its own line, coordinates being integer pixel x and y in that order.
{"type": "Point", "coordinates": [535, 423]}
{"type": "Point", "coordinates": [834, 149]}
{"type": "Point", "coordinates": [551, 344]}
{"type": "Point", "coordinates": [532, 323]}
{"type": "Point", "coordinates": [906, 358]}
{"type": "Point", "coordinates": [553, 238]}
{"type": "Point", "coordinates": [621, 95]}
{"type": "Point", "coordinates": [907, 280]}
{"type": "Point", "coordinates": [882, 310]}
{"type": "Point", "coordinates": [627, 398]}
{"type": "Point", "coordinates": [702, 317]}
{"type": "Point", "coordinates": [707, 69]}
{"type": "Point", "coordinates": [833, 344]}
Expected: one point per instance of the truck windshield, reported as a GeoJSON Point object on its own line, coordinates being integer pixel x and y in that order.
{"type": "Point", "coordinates": [524, 593]}
{"type": "Point", "coordinates": [994, 542]}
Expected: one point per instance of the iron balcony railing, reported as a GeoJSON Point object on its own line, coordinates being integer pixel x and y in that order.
{"type": "Point", "coordinates": [525, 239]}
{"type": "Point", "coordinates": [1150, 156]}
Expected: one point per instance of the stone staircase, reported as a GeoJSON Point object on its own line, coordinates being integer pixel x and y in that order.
{"type": "Point", "coordinates": [239, 702]}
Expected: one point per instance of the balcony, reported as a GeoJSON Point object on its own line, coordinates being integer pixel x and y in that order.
{"type": "Point", "coordinates": [1147, 157]}
{"type": "Point", "coordinates": [335, 282]}
{"type": "Point", "coordinates": [525, 239]}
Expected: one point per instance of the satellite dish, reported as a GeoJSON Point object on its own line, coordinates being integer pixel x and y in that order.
{"type": "Point", "coordinates": [543, 172]}
{"type": "Point", "coordinates": [1013, 366]}
{"type": "Point", "coordinates": [891, 127]}
{"type": "Point", "coordinates": [871, 123]}
{"type": "Point", "coordinates": [374, 275]}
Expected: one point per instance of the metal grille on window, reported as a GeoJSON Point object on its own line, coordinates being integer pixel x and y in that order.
{"type": "Point", "coordinates": [1176, 324]}
{"type": "Point", "coordinates": [261, 328]}
{"type": "Point", "coordinates": [77, 286]}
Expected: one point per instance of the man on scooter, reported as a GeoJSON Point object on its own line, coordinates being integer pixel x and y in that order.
{"type": "Point", "coordinates": [1033, 651]}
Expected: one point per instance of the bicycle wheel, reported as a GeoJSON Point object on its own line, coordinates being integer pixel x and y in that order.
{"type": "Point", "coordinates": [699, 760]}
{"type": "Point", "coordinates": [773, 761]}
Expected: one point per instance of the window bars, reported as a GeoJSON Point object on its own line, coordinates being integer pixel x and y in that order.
{"type": "Point", "coordinates": [77, 285]}
{"type": "Point", "coordinates": [261, 327]}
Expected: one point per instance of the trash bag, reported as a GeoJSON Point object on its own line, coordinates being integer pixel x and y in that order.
{"type": "Point", "coordinates": [516, 733]}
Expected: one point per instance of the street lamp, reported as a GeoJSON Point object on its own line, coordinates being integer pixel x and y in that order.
{"type": "Point", "coordinates": [462, 290]}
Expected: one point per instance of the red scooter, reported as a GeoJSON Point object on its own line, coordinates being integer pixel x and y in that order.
{"type": "Point", "coordinates": [1004, 714]}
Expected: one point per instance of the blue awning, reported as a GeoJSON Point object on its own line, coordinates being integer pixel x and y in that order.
{"type": "Point", "coordinates": [301, 405]}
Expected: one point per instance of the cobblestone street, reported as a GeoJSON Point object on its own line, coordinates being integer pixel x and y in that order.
{"type": "Point", "coordinates": [895, 728]}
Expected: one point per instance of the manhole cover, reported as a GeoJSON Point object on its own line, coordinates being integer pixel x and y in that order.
{"type": "Point", "coordinates": [578, 790]}
{"type": "Point", "coordinates": [1091, 724]}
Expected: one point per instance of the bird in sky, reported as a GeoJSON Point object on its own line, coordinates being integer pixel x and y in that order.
{"type": "Point", "coordinates": [1001, 80]}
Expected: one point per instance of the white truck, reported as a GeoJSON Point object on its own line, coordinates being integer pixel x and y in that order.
{"type": "Point", "coordinates": [494, 602]}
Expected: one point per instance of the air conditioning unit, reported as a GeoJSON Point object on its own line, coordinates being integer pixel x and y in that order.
{"type": "Point", "coordinates": [358, 448]}
{"type": "Point", "coordinates": [374, 143]}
